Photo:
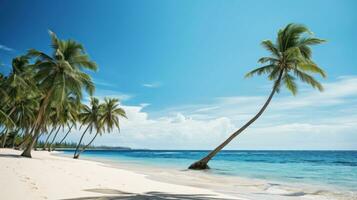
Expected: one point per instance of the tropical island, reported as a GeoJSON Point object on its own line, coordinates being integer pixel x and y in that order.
{"type": "Point", "coordinates": [54, 121]}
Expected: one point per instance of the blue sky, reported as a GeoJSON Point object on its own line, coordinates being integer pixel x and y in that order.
{"type": "Point", "coordinates": [179, 67]}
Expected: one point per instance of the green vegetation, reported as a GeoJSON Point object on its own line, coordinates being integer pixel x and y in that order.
{"type": "Point", "coordinates": [290, 59]}
{"type": "Point", "coordinates": [44, 93]}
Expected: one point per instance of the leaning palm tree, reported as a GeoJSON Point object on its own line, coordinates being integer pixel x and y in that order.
{"type": "Point", "coordinates": [90, 115]}
{"type": "Point", "coordinates": [21, 94]}
{"type": "Point", "coordinates": [291, 58]}
{"type": "Point", "coordinates": [52, 124]}
{"type": "Point", "coordinates": [109, 120]}
{"type": "Point", "coordinates": [55, 76]}
{"type": "Point", "coordinates": [70, 116]}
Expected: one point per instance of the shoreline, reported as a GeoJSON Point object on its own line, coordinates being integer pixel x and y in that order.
{"type": "Point", "coordinates": [250, 188]}
{"type": "Point", "coordinates": [46, 176]}
{"type": "Point", "coordinates": [55, 176]}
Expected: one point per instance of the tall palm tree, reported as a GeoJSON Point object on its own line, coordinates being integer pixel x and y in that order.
{"type": "Point", "coordinates": [109, 120]}
{"type": "Point", "coordinates": [21, 94]}
{"type": "Point", "coordinates": [290, 59]}
{"type": "Point", "coordinates": [56, 75]}
{"type": "Point", "coordinates": [90, 116]}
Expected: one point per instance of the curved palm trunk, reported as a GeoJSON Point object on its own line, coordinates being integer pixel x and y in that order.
{"type": "Point", "coordinates": [75, 156]}
{"type": "Point", "coordinates": [4, 139]}
{"type": "Point", "coordinates": [84, 148]}
{"type": "Point", "coordinates": [53, 139]}
{"type": "Point", "coordinates": [203, 163]}
{"type": "Point", "coordinates": [69, 130]}
{"type": "Point", "coordinates": [36, 141]}
{"type": "Point", "coordinates": [37, 125]}
{"type": "Point", "coordinates": [48, 137]}
{"type": "Point", "coordinates": [25, 138]}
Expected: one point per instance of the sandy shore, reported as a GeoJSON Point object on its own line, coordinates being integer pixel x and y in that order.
{"type": "Point", "coordinates": [51, 177]}
{"type": "Point", "coordinates": [47, 176]}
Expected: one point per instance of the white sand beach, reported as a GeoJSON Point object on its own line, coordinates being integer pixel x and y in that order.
{"type": "Point", "coordinates": [50, 177]}
{"type": "Point", "coordinates": [47, 176]}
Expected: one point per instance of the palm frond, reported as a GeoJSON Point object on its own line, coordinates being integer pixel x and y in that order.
{"type": "Point", "coordinates": [261, 70]}
{"type": "Point", "coordinates": [311, 67]}
{"type": "Point", "coordinates": [290, 84]}
{"type": "Point", "coordinates": [268, 45]}
{"type": "Point", "coordinates": [268, 59]}
{"type": "Point", "coordinates": [306, 78]}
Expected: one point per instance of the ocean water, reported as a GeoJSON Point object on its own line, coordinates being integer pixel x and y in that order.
{"type": "Point", "coordinates": [328, 168]}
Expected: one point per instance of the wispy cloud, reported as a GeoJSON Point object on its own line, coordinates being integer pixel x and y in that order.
{"type": "Point", "coordinates": [103, 83]}
{"type": "Point", "coordinates": [152, 85]}
{"type": "Point", "coordinates": [5, 48]}
{"type": "Point", "coordinates": [311, 120]}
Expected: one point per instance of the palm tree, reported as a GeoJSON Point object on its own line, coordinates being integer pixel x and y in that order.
{"type": "Point", "coordinates": [290, 59]}
{"type": "Point", "coordinates": [69, 116]}
{"type": "Point", "coordinates": [4, 118]}
{"type": "Point", "coordinates": [90, 116]}
{"type": "Point", "coordinates": [21, 94]}
{"type": "Point", "coordinates": [55, 76]}
{"type": "Point", "coordinates": [53, 138]}
{"type": "Point", "coordinates": [109, 120]}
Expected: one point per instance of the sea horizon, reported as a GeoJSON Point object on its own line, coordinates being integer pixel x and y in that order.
{"type": "Point", "coordinates": [178, 100]}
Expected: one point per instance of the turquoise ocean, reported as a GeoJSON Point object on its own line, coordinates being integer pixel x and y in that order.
{"type": "Point", "coordinates": [337, 169]}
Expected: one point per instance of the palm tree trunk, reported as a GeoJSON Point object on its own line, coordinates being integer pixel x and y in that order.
{"type": "Point", "coordinates": [14, 140]}
{"type": "Point", "coordinates": [25, 138]}
{"type": "Point", "coordinates": [48, 137]}
{"type": "Point", "coordinates": [54, 138]}
{"type": "Point", "coordinates": [203, 163]}
{"type": "Point", "coordinates": [36, 141]}
{"type": "Point", "coordinates": [37, 125]}
{"type": "Point", "coordinates": [4, 138]}
{"type": "Point", "coordinates": [69, 130]}
{"type": "Point", "coordinates": [84, 148]}
{"type": "Point", "coordinates": [79, 143]}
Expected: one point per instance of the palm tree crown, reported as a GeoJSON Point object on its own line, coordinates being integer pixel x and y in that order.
{"type": "Point", "coordinates": [291, 57]}
{"type": "Point", "coordinates": [111, 113]}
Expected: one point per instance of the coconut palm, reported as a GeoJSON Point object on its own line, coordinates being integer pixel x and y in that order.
{"type": "Point", "coordinates": [4, 118]}
{"type": "Point", "coordinates": [21, 96]}
{"type": "Point", "coordinates": [91, 116]}
{"type": "Point", "coordinates": [48, 137]}
{"type": "Point", "coordinates": [109, 120]}
{"type": "Point", "coordinates": [52, 123]}
{"type": "Point", "coordinates": [290, 59]}
{"type": "Point", "coordinates": [56, 75]}
{"type": "Point", "coordinates": [69, 116]}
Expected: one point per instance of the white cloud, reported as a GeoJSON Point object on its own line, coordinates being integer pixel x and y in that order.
{"type": "Point", "coordinates": [5, 48]}
{"type": "Point", "coordinates": [103, 83]}
{"type": "Point", "coordinates": [152, 85]}
{"type": "Point", "coordinates": [311, 120]}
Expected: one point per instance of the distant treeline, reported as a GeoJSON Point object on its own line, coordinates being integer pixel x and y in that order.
{"type": "Point", "coordinates": [41, 144]}
{"type": "Point", "coordinates": [72, 145]}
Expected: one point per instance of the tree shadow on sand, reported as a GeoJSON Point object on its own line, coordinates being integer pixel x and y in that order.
{"type": "Point", "coordinates": [112, 194]}
{"type": "Point", "coordinates": [10, 156]}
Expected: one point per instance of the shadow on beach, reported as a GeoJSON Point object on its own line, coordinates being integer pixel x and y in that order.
{"type": "Point", "coordinates": [10, 156]}
{"type": "Point", "coordinates": [119, 195]}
